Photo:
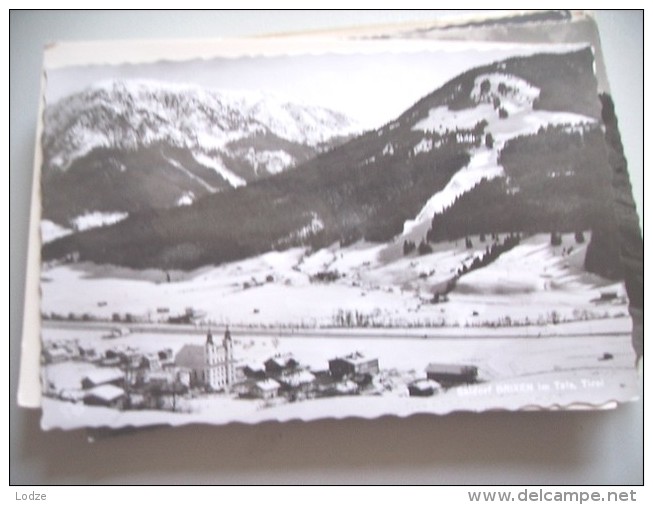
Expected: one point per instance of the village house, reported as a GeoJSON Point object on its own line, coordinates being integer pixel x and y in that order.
{"type": "Point", "coordinates": [210, 365]}
{"type": "Point", "coordinates": [55, 355]}
{"type": "Point", "coordinates": [280, 363]}
{"type": "Point", "coordinates": [353, 364]}
{"type": "Point", "coordinates": [265, 389]}
{"type": "Point", "coordinates": [150, 362]}
{"type": "Point", "coordinates": [87, 352]}
{"type": "Point", "coordinates": [253, 371]}
{"type": "Point", "coordinates": [297, 383]}
{"type": "Point", "coordinates": [59, 351]}
{"type": "Point", "coordinates": [121, 355]}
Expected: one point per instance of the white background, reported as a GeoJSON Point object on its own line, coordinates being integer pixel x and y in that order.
{"type": "Point", "coordinates": [491, 448]}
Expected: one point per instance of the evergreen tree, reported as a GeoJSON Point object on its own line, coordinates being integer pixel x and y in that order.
{"type": "Point", "coordinates": [424, 248]}
{"type": "Point", "coordinates": [556, 238]}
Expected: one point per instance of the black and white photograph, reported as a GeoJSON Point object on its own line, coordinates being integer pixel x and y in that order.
{"type": "Point", "coordinates": [329, 228]}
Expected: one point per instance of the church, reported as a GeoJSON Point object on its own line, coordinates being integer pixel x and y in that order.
{"type": "Point", "coordinates": [210, 365]}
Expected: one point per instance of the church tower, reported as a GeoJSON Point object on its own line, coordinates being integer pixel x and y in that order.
{"type": "Point", "coordinates": [211, 361]}
{"type": "Point", "coordinates": [219, 370]}
{"type": "Point", "coordinates": [228, 344]}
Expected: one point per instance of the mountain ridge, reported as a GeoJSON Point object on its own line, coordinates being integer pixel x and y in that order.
{"type": "Point", "coordinates": [117, 127]}
{"type": "Point", "coordinates": [366, 188]}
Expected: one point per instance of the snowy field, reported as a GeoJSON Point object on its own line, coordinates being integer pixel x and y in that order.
{"type": "Point", "coordinates": [535, 287]}
{"type": "Point", "coordinates": [543, 333]}
{"type": "Point", "coordinates": [516, 373]}
{"type": "Point", "coordinates": [516, 98]}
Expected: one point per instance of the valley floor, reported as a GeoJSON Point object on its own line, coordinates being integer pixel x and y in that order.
{"type": "Point", "coordinates": [542, 332]}
{"type": "Point", "coordinates": [514, 374]}
{"type": "Point", "coordinates": [534, 286]}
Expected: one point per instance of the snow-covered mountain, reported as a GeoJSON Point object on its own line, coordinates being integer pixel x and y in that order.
{"type": "Point", "coordinates": [514, 146]}
{"type": "Point", "coordinates": [504, 107]}
{"type": "Point", "coordinates": [200, 140]}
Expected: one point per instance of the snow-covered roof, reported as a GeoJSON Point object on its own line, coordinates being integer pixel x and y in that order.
{"type": "Point", "coordinates": [103, 375]}
{"type": "Point", "coordinates": [356, 358]}
{"type": "Point", "coordinates": [268, 385]}
{"type": "Point", "coordinates": [425, 384]}
{"type": "Point", "coordinates": [347, 387]}
{"type": "Point", "coordinates": [106, 392]}
{"type": "Point", "coordinates": [281, 360]}
{"type": "Point", "coordinates": [298, 378]}
{"type": "Point", "coordinates": [254, 365]}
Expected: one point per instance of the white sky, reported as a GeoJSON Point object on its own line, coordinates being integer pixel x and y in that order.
{"type": "Point", "coordinates": [373, 88]}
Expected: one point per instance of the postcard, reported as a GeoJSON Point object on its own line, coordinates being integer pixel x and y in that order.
{"type": "Point", "coordinates": [275, 229]}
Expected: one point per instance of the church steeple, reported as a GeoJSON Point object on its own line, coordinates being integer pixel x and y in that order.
{"type": "Point", "coordinates": [228, 345]}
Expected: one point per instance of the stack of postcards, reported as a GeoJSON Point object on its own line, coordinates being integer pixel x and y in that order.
{"type": "Point", "coordinates": [382, 221]}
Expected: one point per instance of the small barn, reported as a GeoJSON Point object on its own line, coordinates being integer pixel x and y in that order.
{"type": "Point", "coordinates": [450, 374]}
{"type": "Point", "coordinates": [106, 395]}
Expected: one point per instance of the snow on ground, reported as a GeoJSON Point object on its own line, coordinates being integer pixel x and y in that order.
{"type": "Point", "coordinates": [534, 285]}
{"type": "Point", "coordinates": [217, 165]}
{"type": "Point", "coordinates": [96, 219]}
{"type": "Point", "coordinates": [517, 94]}
{"type": "Point", "coordinates": [581, 363]}
{"type": "Point", "coordinates": [186, 199]}
{"type": "Point", "coordinates": [516, 374]}
{"type": "Point", "coordinates": [517, 100]}
{"type": "Point", "coordinates": [272, 162]}
{"type": "Point", "coordinates": [51, 231]}
{"type": "Point", "coordinates": [190, 174]}
{"type": "Point", "coordinates": [483, 164]}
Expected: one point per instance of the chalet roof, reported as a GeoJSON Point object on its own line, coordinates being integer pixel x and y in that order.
{"type": "Point", "coordinates": [281, 360]}
{"type": "Point", "coordinates": [103, 375]}
{"type": "Point", "coordinates": [106, 392]}
{"type": "Point", "coordinates": [445, 368]}
{"type": "Point", "coordinates": [268, 385]}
